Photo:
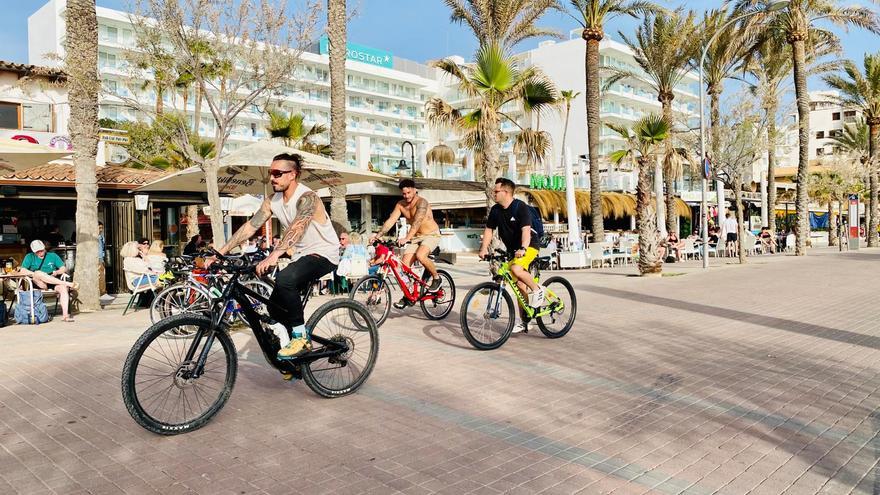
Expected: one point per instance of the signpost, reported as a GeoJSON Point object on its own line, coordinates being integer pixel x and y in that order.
{"type": "Point", "coordinates": [853, 221]}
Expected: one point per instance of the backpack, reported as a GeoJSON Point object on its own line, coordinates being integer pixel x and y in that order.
{"type": "Point", "coordinates": [30, 308]}
{"type": "Point", "coordinates": [537, 225]}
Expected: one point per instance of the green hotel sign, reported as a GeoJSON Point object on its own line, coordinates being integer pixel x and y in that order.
{"type": "Point", "coordinates": [360, 53]}
{"type": "Point", "coordinates": [551, 182]}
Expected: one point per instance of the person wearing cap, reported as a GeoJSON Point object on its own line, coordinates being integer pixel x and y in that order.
{"type": "Point", "coordinates": [45, 267]}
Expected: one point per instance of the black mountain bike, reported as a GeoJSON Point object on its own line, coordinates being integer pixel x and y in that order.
{"type": "Point", "coordinates": [173, 385]}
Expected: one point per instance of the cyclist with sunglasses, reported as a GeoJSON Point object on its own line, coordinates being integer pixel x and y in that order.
{"type": "Point", "coordinates": [308, 237]}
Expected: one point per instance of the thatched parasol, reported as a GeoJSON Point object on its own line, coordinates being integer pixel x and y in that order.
{"type": "Point", "coordinates": [441, 154]}
{"type": "Point", "coordinates": [614, 204]}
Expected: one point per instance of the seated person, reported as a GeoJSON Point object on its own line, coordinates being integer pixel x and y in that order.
{"type": "Point", "coordinates": [45, 267]}
{"type": "Point", "coordinates": [674, 244]}
{"type": "Point", "coordinates": [156, 256]}
{"type": "Point", "coordinates": [382, 255]}
{"type": "Point", "coordinates": [713, 237]}
{"type": "Point", "coordinates": [768, 243]}
{"type": "Point", "coordinates": [137, 270]}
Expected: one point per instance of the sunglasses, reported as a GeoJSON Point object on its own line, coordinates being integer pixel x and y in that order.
{"type": "Point", "coordinates": [278, 173]}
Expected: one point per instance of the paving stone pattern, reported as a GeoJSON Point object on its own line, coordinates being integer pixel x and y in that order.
{"type": "Point", "coordinates": [757, 379]}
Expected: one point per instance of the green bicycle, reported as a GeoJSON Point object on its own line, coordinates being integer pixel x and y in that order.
{"type": "Point", "coordinates": [487, 311]}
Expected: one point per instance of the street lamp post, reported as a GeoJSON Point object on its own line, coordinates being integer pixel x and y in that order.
{"type": "Point", "coordinates": [412, 154]}
{"type": "Point", "coordinates": [773, 7]}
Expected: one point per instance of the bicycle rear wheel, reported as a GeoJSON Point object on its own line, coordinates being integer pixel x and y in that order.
{"type": "Point", "coordinates": [347, 322]}
{"type": "Point", "coordinates": [439, 308]}
{"type": "Point", "coordinates": [563, 305]}
{"type": "Point", "coordinates": [158, 390]}
{"type": "Point", "coordinates": [486, 320]}
{"type": "Point", "coordinates": [375, 294]}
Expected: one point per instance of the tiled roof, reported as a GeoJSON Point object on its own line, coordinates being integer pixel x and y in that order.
{"type": "Point", "coordinates": [63, 172]}
{"type": "Point", "coordinates": [32, 70]}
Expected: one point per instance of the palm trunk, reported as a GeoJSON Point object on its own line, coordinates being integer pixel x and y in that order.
{"type": "Point", "coordinates": [874, 181]}
{"type": "Point", "coordinates": [83, 87]}
{"type": "Point", "coordinates": [197, 109]}
{"type": "Point", "coordinates": [740, 226]}
{"type": "Point", "coordinates": [668, 178]}
{"type": "Point", "coordinates": [649, 257]}
{"type": "Point", "coordinates": [802, 200]}
{"type": "Point", "coordinates": [832, 225]}
{"type": "Point", "coordinates": [192, 221]}
{"type": "Point", "coordinates": [336, 31]}
{"type": "Point", "coordinates": [771, 168]}
{"type": "Point", "coordinates": [490, 156]}
{"type": "Point", "coordinates": [160, 105]}
{"type": "Point", "coordinates": [594, 125]}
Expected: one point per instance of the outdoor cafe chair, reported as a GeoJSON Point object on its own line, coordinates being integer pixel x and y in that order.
{"type": "Point", "coordinates": [147, 285]}
{"type": "Point", "coordinates": [690, 249]}
{"type": "Point", "coordinates": [599, 254]}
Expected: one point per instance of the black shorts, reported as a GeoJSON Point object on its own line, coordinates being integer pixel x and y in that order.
{"type": "Point", "coordinates": [731, 237]}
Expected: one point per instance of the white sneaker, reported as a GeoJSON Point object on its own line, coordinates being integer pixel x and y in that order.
{"type": "Point", "coordinates": [519, 328]}
{"type": "Point", "coordinates": [536, 298]}
{"type": "Point", "coordinates": [281, 332]}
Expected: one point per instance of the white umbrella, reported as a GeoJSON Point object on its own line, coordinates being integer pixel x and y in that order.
{"type": "Point", "coordinates": [18, 155]}
{"type": "Point", "coordinates": [246, 171]}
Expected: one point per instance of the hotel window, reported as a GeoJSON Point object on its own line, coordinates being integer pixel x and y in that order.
{"type": "Point", "coordinates": [835, 116]}
{"type": "Point", "coordinates": [820, 134]}
{"type": "Point", "coordinates": [108, 34]}
{"type": "Point", "coordinates": [106, 60]}
{"type": "Point", "coordinates": [8, 115]}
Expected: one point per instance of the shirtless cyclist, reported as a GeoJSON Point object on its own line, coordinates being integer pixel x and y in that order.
{"type": "Point", "coordinates": [423, 235]}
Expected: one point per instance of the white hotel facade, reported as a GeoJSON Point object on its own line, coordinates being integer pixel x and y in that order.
{"type": "Point", "coordinates": [386, 98]}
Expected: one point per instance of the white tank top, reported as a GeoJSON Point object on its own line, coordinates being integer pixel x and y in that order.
{"type": "Point", "coordinates": [319, 238]}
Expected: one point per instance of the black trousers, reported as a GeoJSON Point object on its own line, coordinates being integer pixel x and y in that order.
{"type": "Point", "coordinates": [290, 284]}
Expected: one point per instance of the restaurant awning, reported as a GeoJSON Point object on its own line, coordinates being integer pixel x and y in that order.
{"type": "Point", "coordinates": [18, 155]}
{"type": "Point", "coordinates": [245, 171]}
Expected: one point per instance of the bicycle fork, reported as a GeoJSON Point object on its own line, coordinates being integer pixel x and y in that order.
{"type": "Point", "coordinates": [493, 307]}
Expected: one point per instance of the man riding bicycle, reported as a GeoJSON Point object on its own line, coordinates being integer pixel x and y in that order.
{"type": "Point", "coordinates": [423, 235]}
{"type": "Point", "coordinates": [308, 237]}
{"type": "Point", "coordinates": [514, 223]}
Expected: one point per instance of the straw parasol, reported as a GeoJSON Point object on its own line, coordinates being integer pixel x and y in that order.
{"type": "Point", "coordinates": [440, 154]}
{"type": "Point", "coordinates": [614, 204]}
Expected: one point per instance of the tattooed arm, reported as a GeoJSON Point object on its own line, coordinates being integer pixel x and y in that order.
{"type": "Point", "coordinates": [421, 214]}
{"type": "Point", "coordinates": [249, 228]}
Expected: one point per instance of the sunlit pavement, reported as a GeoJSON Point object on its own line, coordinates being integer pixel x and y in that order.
{"type": "Point", "coordinates": [738, 379]}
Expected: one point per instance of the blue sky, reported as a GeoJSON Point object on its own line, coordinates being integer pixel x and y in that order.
{"type": "Point", "coordinates": [414, 29]}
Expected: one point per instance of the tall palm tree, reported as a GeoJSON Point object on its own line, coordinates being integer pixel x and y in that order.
{"type": "Point", "coordinates": [592, 16]}
{"type": "Point", "coordinates": [336, 32]}
{"type": "Point", "coordinates": [663, 47]}
{"type": "Point", "coordinates": [770, 64]}
{"type": "Point", "coordinates": [858, 90]}
{"type": "Point", "coordinates": [294, 132]}
{"type": "Point", "coordinates": [492, 81]}
{"type": "Point", "coordinates": [798, 22]}
{"type": "Point", "coordinates": [504, 22]}
{"type": "Point", "coordinates": [567, 96]}
{"type": "Point", "coordinates": [83, 87]}
{"type": "Point", "coordinates": [644, 146]}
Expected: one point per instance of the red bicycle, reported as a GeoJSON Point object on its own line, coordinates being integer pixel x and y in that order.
{"type": "Point", "coordinates": [374, 291]}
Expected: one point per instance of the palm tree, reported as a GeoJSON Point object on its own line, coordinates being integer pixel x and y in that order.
{"type": "Point", "coordinates": [663, 48]}
{"type": "Point", "coordinates": [492, 81]}
{"type": "Point", "coordinates": [854, 141]}
{"type": "Point", "coordinates": [336, 32]}
{"type": "Point", "coordinates": [504, 22]}
{"type": "Point", "coordinates": [83, 87]}
{"type": "Point", "coordinates": [798, 23]}
{"type": "Point", "coordinates": [823, 189]}
{"type": "Point", "coordinates": [592, 15]}
{"type": "Point", "coordinates": [862, 91]}
{"type": "Point", "coordinates": [643, 149]}
{"type": "Point", "coordinates": [568, 95]}
{"type": "Point", "coordinates": [293, 132]}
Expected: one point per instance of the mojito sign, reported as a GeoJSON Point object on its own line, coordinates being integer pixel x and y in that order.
{"type": "Point", "coordinates": [360, 53]}
{"type": "Point", "coordinates": [550, 182]}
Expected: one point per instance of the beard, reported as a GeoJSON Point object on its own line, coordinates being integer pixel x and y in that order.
{"type": "Point", "coordinates": [278, 188]}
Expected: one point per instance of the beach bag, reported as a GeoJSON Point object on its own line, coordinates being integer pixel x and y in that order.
{"type": "Point", "coordinates": [30, 309]}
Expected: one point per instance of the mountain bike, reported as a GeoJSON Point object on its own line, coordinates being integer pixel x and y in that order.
{"type": "Point", "coordinates": [374, 291]}
{"type": "Point", "coordinates": [173, 385]}
{"type": "Point", "coordinates": [487, 311]}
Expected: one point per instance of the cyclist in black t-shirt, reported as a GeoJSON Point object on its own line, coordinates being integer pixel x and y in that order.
{"type": "Point", "coordinates": [514, 223]}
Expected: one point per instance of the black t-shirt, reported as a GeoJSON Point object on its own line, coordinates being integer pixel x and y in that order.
{"type": "Point", "coordinates": [509, 222]}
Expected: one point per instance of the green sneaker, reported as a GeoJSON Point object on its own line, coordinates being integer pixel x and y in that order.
{"type": "Point", "coordinates": [296, 348]}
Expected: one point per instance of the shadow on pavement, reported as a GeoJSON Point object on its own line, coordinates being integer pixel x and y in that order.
{"type": "Point", "coordinates": [802, 328]}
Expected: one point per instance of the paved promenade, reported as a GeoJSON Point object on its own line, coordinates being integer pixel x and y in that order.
{"type": "Point", "coordinates": [757, 379]}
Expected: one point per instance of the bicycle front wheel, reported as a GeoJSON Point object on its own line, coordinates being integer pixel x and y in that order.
{"type": "Point", "coordinates": [345, 322]}
{"type": "Point", "coordinates": [375, 294]}
{"type": "Point", "coordinates": [487, 316]}
{"type": "Point", "coordinates": [562, 304]}
{"type": "Point", "coordinates": [439, 307]}
{"type": "Point", "coordinates": [158, 387]}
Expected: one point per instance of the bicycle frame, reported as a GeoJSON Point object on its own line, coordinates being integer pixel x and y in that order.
{"type": "Point", "coordinates": [503, 273]}
{"type": "Point", "coordinates": [234, 291]}
{"type": "Point", "coordinates": [393, 264]}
